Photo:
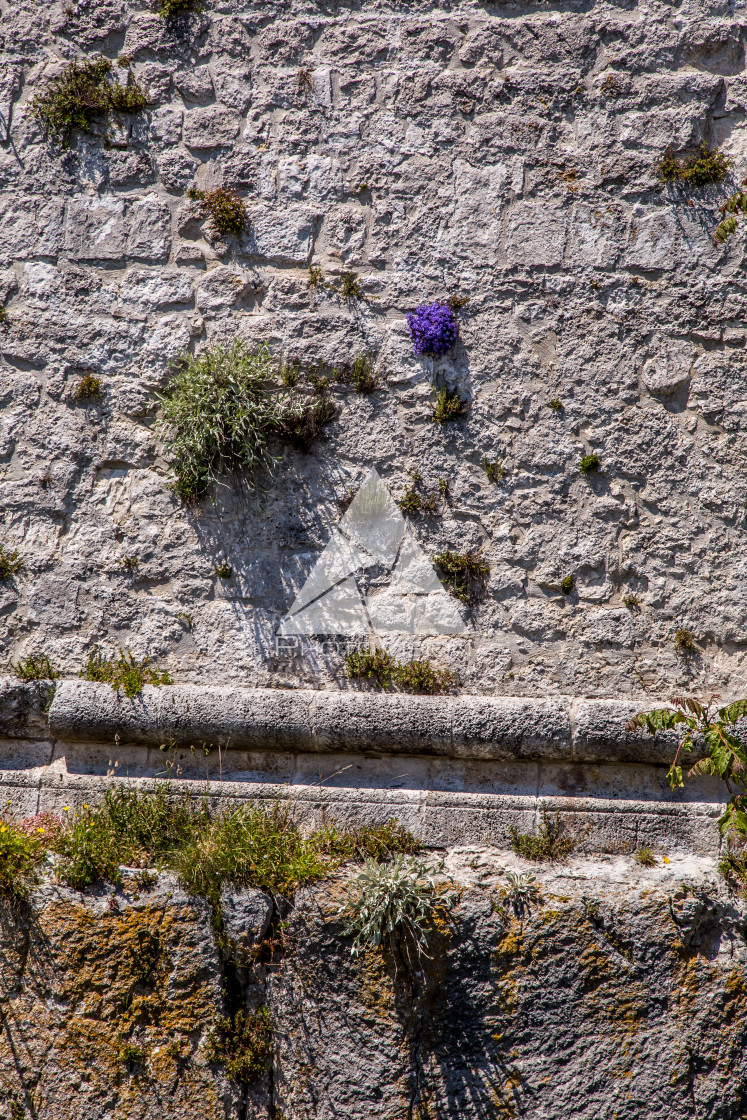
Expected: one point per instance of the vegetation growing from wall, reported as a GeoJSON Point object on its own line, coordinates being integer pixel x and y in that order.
{"type": "Point", "coordinates": [736, 204]}
{"type": "Point", "coordinates": [82, 94]}
{"type": "Point", "coordinates": [549, 843]}
{"type": "Point", "coordinates": [225, 209]}
{"type": "Point", "coordinates": [252, 846]}
{"type": "Point", "coordinates": [218, 413]}
{"type": "Point", "coordinates": [124, 672]}
{"type": "Point", "coordinates": [383, 670]}
{"type": "Point", "coordinates": [243, 1044]}
{"type": "Point", "coordinates": [10, 562]}
{"type": "Point", "coordinates": [697, 169]}
{"type": "Point", "coordinates": [464, 573]}
{"type": "Point", "coordinates": [394, 905]}
{"type": "Point", "coordinates": [35, 667]}
{"type": "Point", "coordinates": [170, 9]}
{"type": "Point", "coordinates": [725, 757]}
{"type": "Point", "coordinates": [88, 387]}
{"type": "Point", "coordinates": [448, 405]}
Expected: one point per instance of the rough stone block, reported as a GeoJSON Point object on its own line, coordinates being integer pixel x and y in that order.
{"type": "Point", "coordinates": [210, 126]}
{"type": "Point", "coordinates": [21, 708]}
{"type": "Point", "coordinates": [95, 228]}
{"type": "Point", "coordinates": [381, 722]}
{"type": "Point", "coordinates": [246, 915]}
{"type": "Point", "coordinates": [150, 229]}
{"type": "Point", "coordinates": [502, 727]}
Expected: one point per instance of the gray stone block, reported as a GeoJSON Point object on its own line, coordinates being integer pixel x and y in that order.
{"type": "Point", "coordinates": [504, 727]}
{"type": "Point", "coordinates": [246, 914]}
{"type": "Point", "coordinates": [600, 734]}
{"type": "Point", "coordinates": [21, 703]}
{"type": "Point", "coordinates": [390, 723]}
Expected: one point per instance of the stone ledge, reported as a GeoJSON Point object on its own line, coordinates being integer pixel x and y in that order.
{"type": "Point", "coordinates": [468, 727]}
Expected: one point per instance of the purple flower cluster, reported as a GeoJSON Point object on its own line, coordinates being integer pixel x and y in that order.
{"type": "Point", "coordinates": [433, 328]}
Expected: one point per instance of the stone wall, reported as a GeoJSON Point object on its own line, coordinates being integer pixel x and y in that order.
{"type": "Point", "coordinates": [618, 993]}
{"type": "Point", "coordinates": [509, 154]}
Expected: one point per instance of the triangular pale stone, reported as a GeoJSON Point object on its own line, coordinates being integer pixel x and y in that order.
{"type": "Point", "coordinates": [339, 560]}
{"type": "Point", "coordinates": [373, 521]}
{"type": "Point", "coordinates": [413, 571]}
{"type": "Point", "coordinates": [339, 611]}
{"type": "Point", "coordinates": [434, 613]}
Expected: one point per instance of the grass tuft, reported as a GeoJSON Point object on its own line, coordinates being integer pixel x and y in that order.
{"type": "Point", "coordinates": [448, 406]}
{"type": "Point", "coordinates": [549, 843]}
{"type": "Point", "coordinates": [645, 857]}
{"type": "Point", "coordinates": [225, 209]}
{"type": "Point", "coordinates": [83, 93]}
{"type": "Point", "coordinates": [89, 386]}
{"type": "Point", "coordinates": [589, 464]}
{"type": "Point", "coordinates": [123, 672]}
{"type": "Point", "coordinates": [35, 667]}
{"type": "Point", "coordinates": [218, 412]}
{"type": "Point", "coordinates": [243, 1044]}
{"type": "Point", "coordinates": [698, 169]}
{"type": "Point", "coordinates": [420, 677]}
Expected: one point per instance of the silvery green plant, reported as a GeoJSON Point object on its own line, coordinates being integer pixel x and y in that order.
{"type": "Point", "coordinates": [395, 902]}
{"type": "Point", "coordinates": [522, 890]}
{"type": "Point", "coordinates": [218, 412]}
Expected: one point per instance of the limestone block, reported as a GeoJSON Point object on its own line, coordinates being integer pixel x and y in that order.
{"type": "Point", "coordinates": [248, 718]}
{"type": "Point", "coordinates": [150, 229]}
{"type": "Point", "coordinates": [652, 241]}
{"type": "Point", "coordinates": [166, 126]}
{"type": "Point", "coordinates": [600, 735]}
{"type": "Point", "coordinates": [21, 704]}
{"type": "Point", "coordinates": [282, 235]}
{"type": "Point", "coordinates": [536, 235]}
{"type": "Point", "coordinates": [210, 126]}
{"type": "Point", "coordinates": [221, 287]}
{"type": "Point", "coordinates": [154, 288]}
{"type": "Point", "coordinates": [503, 727]}
{"type": "Point", "coordinates": [95, 228]}
{"type": "Point", "coordinates": [17, 227]}
{"type": "Point", "coordinates": [381, 722]}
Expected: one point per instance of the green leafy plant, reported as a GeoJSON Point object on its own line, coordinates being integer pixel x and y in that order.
{"type": "Point", "coordinates": [415, 500]}
{"type": "Point", "coordinates": [394, 905]}
{"type": "Point", "coordinates": [224, 207]}
{"type": "Point", "coordinates": [288, 374]}
{"type": "Point", "coordinates": [555, 404]}
{"type": "Point", "coordinates": [464, 573]}
{"type": "Point", "coordinates": [631, 601]}
{"type": "Point", "coordinates": [697, 169]}
{"type": "Point", "coordinates": [218, 412]}
{"type": "Point", "coordinates": [10, 563]}
{"type": "Point", "coordinates": [377, 842]}
{"type": "Point", "coordinates": [589, 464]}
{"type": "Point", "coordinates": [349, 286]}
{"type": "Point", "coordinates": [35, 667]}
{"type": "Point", "coordinates": [700, 722]}
{"type": "Point", "coordinates": [130, 1054]}
{"type": "Point", "coordinates": [494, 471]}
{"type": "Point", "coordinates": [88, 386]}
{"type": "Point", "coordinates": [645, 857]}
{"type": "Point", "coordinates": [519, 893]}
{"type": "Point", "coordinates": [20, 855]}
{"type": "Point", "coordinates": [736, 204]}
{"type": "Point", "coordinates": [123, 672]}
{"type": "Point", "coordinates": [422, 677]}
{"type": "Point", "coordinates": [316, 276]}
{"type": "Point", "coordinates": [83, 93]}
{"type": "Point", "coordinates": [304, 424]}
{"type": "Point", "coordinates": [549, 843]}
{"type": "Point", "coordinates": [4, 317]}
{"type": "Point", "coordinates": [457, 302]}
{"type": "Point", "coordinates": [371, 664]}
{"type": "Point", "coordinates": [567, 584]}
{"type": "Point", "coordinates": [223, 570]}
{"type": "Point", "coordinates": [130, 563]}
{"type": "Point", "coordinates": [448, 405]}
{"type": "Point", "coordinates": [242, 1043]}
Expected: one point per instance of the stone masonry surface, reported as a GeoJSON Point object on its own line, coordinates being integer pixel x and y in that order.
{"type": "Point", "coordinates": [619, 993]}
{"type": "Point", "coordinates": [504, 152]}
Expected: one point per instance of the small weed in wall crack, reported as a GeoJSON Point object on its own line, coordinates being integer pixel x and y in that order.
{"type": "Point", "coordinates": [10, 562]}
{"type": "Point", "coordinates": [88, 387]}
{"type": "Point", "coordinates": [549, 843]}
{"type": "Point", "coordinates": [124, 672]}
{"type": "Point", "coordinates": [448, 405]}
{"type": "Point", "coordinates": [698, 168]}
{"type": "Point", "coordinates": [379, 667]}
{"type": "Point", "coordinates": [224, 207]}
{"type": "Point", "coordinates": [464, 573]}
{"type": "Point", "coordinates": [35, 667]}
{"type": "Point", "coordinates": [242, 1043]}
{"type": "Point", "coordinates": [589, 464]}
{"type": "Point", "coordinates": [171, 9]}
